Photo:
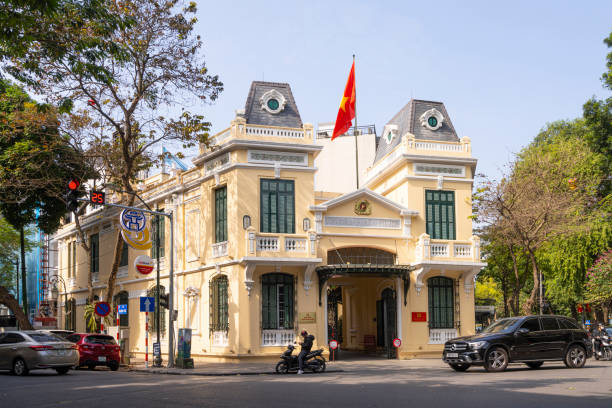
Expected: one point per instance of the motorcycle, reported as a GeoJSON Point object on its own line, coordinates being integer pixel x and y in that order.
{"type": "Point", "coordinates": [313, 361]}
{"type": "Point", "coordinates": [602, 348]}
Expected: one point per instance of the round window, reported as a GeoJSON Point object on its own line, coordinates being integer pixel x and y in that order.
{"type": "Point", "coordinates": [432, 121]}
{"type": "Point", "coordinates": [273, 104]}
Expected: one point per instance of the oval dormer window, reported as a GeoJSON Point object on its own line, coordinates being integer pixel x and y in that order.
{"type": "Point", "coordinates": [432, 121]}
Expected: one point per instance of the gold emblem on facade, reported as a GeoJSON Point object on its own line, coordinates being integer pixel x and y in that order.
{"type": "Point", "coordinates": [363, 207]}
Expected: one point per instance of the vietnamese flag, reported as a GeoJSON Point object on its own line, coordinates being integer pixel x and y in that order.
{"type": "Point", "coordinates": [346, 113]}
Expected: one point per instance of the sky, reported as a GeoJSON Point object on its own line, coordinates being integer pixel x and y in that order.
{"type": "Point", "coordinates": [503, 70]}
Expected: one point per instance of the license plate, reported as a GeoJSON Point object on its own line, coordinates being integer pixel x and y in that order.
{"type": "Point", "coordinates": [452, 355]}
{"type": "Point", "coordinates": [101, 358]}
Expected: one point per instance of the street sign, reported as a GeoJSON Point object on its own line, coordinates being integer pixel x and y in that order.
{"type": "Point", "coordinates": [397, 342]}
{"type": "Point", "coordinates": [333, 344]}
{"type": "Point", "coordinates": [133, 220]}
{"type": "Point", "coordinates": [156, 350]}
{"type": "Point", "coordinates": [122, 309]}
{"type": "Point", "coordinates": [587, 322]}
{"type": "Point", "coordinates": [102, 309]}
{"type": "Point", "coordinates": [144, 264]}
{"type": "Point", "coordinates": [147, 304]}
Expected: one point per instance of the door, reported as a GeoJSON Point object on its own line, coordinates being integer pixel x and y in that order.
{"type": "Point", "coordinates": [386, 321]}
{"type": "Point", "coordinates": [553, 341]}
{"type": "Point", "coordinates": [527, 345]}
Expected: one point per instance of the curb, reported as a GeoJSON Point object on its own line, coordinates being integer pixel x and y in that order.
{"type": "Point", "coordinates": [236, 373]}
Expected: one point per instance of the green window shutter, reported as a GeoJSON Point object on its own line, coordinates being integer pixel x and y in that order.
{"type": "Point", "coordinates": [124, 255]}
{"type": "Point", "coordinates": [440, 214]}
{"type": "Point", "coordinates": [277, 206]}
{"type": "Point", "coordinates": [269, 304]}
{"type": "Point", "coordinates": [441, 303]}
{"type": "Point", "coordinates": [221, 214]}
{"type": "Point", "coordinates": [94, 242]}
{"type": "Point", "coordinates": [162, 235]}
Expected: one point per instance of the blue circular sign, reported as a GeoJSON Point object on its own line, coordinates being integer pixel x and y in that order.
{"type": "Point", "coordinates": [133, 220]}
{"type": "Point", "coordinates": [102, 309]}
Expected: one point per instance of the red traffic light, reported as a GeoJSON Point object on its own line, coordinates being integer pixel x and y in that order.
{"type": "Point", "coordinates": [73, 184]}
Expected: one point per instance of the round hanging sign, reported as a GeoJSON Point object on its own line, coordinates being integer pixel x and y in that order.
{"type": "Point", "coordinates": [397, 342]}
{"type": "Point", "coordinates": [102, 309]}
{"type": "Point", "coordinates": [144, 264]}
{"type": "Point", "coordinates": [333, 344]}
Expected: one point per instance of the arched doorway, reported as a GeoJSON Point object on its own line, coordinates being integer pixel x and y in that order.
{"type": "Point", "coordinates": [386, 321]}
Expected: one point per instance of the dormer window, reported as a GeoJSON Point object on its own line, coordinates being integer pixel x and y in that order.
{"type": "Point", "coordinates": [432, 119]}
{"type": "Point", "coordinates": [272, 101]}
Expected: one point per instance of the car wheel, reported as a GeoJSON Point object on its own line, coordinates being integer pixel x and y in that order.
{"type": "Point", "coordinates": [575, 357]}
{"type": "Point", "coordinates": [322, 365]}
{"type": "Point", "coordinates": [62, 370]}
{"type": "Point", "coordinates": [496, 360]}
{"type": "Point", "coordinates": [460, 367]}
{"type": "Point", "coordinates": [535, 364]}
{"type": "Point", "coordinates": [114, 366]}
{"type": "Point", "coordinates": [20, 367]}
{"type": "Point", "coordinates": [282, 368]}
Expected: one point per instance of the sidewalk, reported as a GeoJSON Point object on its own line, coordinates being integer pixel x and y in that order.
{"type": "Point", "coordinates": [219, 369]}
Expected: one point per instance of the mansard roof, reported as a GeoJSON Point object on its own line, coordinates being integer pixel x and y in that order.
{"type": "Point", "coordinates": [407, 120]}
{"type": "Point", "coordinates": [255, 114]}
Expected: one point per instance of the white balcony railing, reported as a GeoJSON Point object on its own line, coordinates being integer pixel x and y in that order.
{"type": "Point", "coordinates": [441, 336]}
{"type": "Point", "coordinates": [277, 337]}
{"type": "Point", "coordinates": [295, 244]}
{"type": "Point", "coordinates": [219, 249]}
{"type": "Point", "coordinates": [462, 251]}
{"type": "Point", "coordinates": [427, 249]}
{"type": "Point", "coordinates": [439, 249]}
{"type": "Point", "coordinates": [277, 132]}
{"type": "Point", "coordinates": [268, 244]}
{"type": "Point", "coordinates": [219, 339]}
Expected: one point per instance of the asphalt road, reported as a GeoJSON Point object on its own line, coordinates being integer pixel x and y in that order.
{"type": "Point", "coordinates": [381, 383]}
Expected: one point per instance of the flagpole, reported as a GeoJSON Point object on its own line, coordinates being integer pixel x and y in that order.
{"type": "Point", "coordinates": [355, 132]}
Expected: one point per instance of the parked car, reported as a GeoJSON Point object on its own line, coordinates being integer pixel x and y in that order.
{"type": "Point", "coordinates": [62, 333]}
{"type": "Point", "coordinates": [96, 350]}
{"type": "Point", "coordinates": [22, 351]}
{"type": "Point", "coordinates": [530, 339]}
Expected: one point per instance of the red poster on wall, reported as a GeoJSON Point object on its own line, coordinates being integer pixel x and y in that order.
{"type": "Point", "coordinates": [419, 316]}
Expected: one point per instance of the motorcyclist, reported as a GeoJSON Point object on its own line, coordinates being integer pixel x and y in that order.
{"type": "Point", "coordinates": [597, 333]}
{"type": "Point", "coordinates": [306, 346]}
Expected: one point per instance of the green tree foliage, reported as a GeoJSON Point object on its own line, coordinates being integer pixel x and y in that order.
{"type": "Point", "coordinates": [9, 254]}
{"type": "Point", "coordinates": [120, 96]}
{"type": "Point", "coordinates": [599, 281]}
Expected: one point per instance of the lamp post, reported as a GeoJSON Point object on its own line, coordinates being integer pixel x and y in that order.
{"type": "Point", "coordinates": [157, 362]}
{"type": "Point", "coordinates": [55, 280]}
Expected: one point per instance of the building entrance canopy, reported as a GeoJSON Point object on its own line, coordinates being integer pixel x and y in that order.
{"type": "Point", "coordinates": [328, 272]}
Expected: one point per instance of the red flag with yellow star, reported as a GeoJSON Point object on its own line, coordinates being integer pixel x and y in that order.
{"type": "Point", "coordinates": [346, 113]}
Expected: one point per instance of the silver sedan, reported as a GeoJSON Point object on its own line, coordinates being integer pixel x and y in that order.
{"type": "Point", "coordinates": [22, 351]}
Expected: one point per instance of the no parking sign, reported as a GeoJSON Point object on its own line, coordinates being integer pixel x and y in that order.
{"type": "Point", "coordinates": [397, 342]}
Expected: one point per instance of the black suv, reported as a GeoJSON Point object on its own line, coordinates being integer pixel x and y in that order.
{"type": "Point", "coordinates": [529, 339]}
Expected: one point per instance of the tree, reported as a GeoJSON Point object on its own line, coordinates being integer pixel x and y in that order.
{"type": "Point", "coordinates": [35, 163]}
{"type": "Point", "coordinates": [599, 281]}
{"type": "Point", "coordinates": [119, 95]}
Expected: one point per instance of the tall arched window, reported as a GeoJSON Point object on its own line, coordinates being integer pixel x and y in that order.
{"type": "Point", "coordinates": [121, 298]}
{"type": "Point", "coordinates": [277, 301]}
{"type": "Point", "coordinates": [70, 318]}
{"type": "Point", "coordinates": [441, 303]}
{"type": "Point", "coordinates": [153, 292]}
{"type": "Point", "coordinates": [219, 304]}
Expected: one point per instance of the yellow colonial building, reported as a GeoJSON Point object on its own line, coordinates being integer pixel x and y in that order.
{"type": "Point", "coordinates": [260, 255]}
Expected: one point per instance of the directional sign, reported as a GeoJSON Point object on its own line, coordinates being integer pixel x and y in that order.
{"type": "Point", "coordinates": [587, 322]}
{"type": "Point", "coordinates": [156, 349]}
{"type": "Point", "coordinates": [122, 309]}
{"type": "Point", "coordinates": [397, 342]}
{"type": "Point", "coordinates": [102, 309]}
{"type": "Point", "coordinates": [333, 344]}
{"type": "Point", "coordinates": [147, 304]}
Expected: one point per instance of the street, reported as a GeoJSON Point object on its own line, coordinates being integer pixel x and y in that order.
{"type": "Point", "coordinates": [371, 383]}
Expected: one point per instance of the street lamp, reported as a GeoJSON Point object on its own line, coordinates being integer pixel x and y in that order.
{"type": "Point", "coordinates": [157, 362]}
{"type": "Point", "coordinates": [55, 280]}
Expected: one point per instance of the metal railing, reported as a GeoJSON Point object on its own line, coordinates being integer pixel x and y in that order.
{"type": "Point", "coordinates": [361, 130]}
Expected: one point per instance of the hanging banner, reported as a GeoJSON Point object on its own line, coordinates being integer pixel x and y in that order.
{"type": "Point", "coordinates": [135, 229]}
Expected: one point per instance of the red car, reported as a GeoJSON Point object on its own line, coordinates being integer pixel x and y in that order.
{"type": "Point", "coordinates": [96, 349]}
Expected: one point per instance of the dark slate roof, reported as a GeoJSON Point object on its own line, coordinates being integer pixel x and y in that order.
{"type": "Point", "coordinates": [254, 114]}
{"type": "Point", "coordinates": [407, 121]}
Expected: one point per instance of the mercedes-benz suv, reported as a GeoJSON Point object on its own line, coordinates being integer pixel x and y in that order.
{"type": "Point", "coordinates": [529, 339]}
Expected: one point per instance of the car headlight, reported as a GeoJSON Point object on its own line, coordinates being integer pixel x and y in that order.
{"type": "Point", "coordinates": [477, 345]}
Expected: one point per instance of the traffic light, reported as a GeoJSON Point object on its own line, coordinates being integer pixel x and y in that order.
{"type": "Point", "coordinates": [163, 300]}
{"type": "Point", "coordinates": [72, 195]}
